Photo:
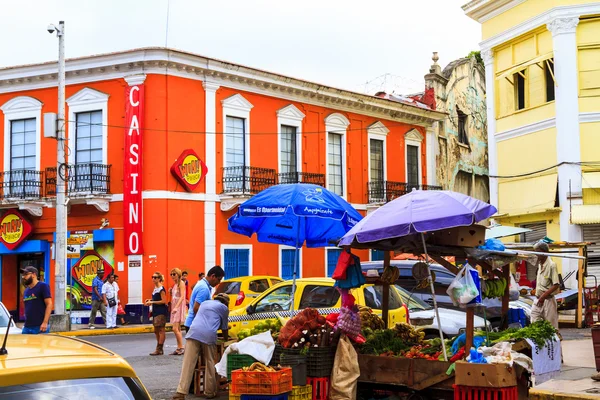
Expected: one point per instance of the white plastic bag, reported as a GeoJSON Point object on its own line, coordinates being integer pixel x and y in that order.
{"type": "Point", "coordinates": [513, 289]}
{"type": "Point", "coordinates": [462, 289]}
{"type": "Point", "coordinates": [259, 346]}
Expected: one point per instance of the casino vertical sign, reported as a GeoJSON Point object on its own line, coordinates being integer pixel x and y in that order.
{"type": "Point", "coordinates": [132, 172]}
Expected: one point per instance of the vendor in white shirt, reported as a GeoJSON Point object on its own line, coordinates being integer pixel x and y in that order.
{"type": "Point", "coordinates": [547, 285]}
{"type": "Point", "coordinates": [109, 297]}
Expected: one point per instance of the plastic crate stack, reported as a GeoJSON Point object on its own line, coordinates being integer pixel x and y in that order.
{"type": "Point", "coordinates": [319, 364]}
{"type": "Point", "coordinates": [297, 393]}
{"type": "Point", "coordinates": [485, 393]}
{"type": "Point", "coordinates": [238, 361]}
{"type": "Point", "coordinates": [260, 385]}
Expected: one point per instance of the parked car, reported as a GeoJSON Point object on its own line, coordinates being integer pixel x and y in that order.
{"type": "Point", "coordinates": [4, 318]}
{"type": "Point", "coordinates": [318, 293]}
{"type": "Point", "coordinates": [244, 289]}
{"type": "Point", "coordinates": [53, 367]}
{"type": "Point", "coordinates": [443, 278]}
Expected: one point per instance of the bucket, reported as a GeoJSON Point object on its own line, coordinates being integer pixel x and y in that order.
{"type": "Point", "coordinates": [298, 365]}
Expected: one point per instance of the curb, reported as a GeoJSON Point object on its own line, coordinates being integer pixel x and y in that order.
{"type": "Point", "coordinates": [134, 330]}
{"type": "Point", "coordinates": [537, 394]}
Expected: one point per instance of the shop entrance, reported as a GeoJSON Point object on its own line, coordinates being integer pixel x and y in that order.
{"type": "Point", "coordinates": [25, 260]}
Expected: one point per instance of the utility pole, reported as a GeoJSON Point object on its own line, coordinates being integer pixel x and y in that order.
{"type": "Point", "coordinates": [61, 320]}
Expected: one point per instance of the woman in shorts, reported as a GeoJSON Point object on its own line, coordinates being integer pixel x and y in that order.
{"type": "Point", "coordinates": [159, 312]}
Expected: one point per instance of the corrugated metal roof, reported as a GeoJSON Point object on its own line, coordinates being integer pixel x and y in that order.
{"type": "Point", "coordinates": [585, 214]}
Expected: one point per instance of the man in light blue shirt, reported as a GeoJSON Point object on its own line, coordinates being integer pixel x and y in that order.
{"type": "Point", "coordinates": [202, 338]}
{"type": "Point", "coordinates": [202, 291]}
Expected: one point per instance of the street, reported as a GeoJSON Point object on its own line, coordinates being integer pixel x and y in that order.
{"type": "Point", "coordinates": [159, 374]}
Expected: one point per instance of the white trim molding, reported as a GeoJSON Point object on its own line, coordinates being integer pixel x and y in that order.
{"type": "Point", "coordinates": [284, 247]}
{"type": "Point", "coordinates": [87, 100]}
{"type": "Point", "coordinates": [17, 108]}
{"type": "Point", "coordinates": [237, 247]}
{"type": "Point", "coordinates": [134, 80]}
{"type": "Point", "coordinates": [561, 26]}
{"type": "Point", "coordinates": [490, 88]}
{"type": "Point", "coordinates": [588, 117]}
{"type": "Point", "coordinates": [237, 106]}
{"type": "Point", "coordinates": [338, 124]}
{"type": "Point", "coordinates": [413, 138]}
{"type": "Point", "coordinates": [377, 131]}
{"type": "Point", "coordinates": [210, 213]}
{"type": "Point", "coordinates": [291, 116]}
{"type": "Point", "coordinates": [526, 129]}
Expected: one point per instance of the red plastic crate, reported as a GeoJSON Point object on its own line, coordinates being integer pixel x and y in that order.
{"type": "Point", "coordinates": [320, 388]}
{"type": "Point", "coordinates": [479, 393]}
{"type": "Point", "coordinates": [260, 382]}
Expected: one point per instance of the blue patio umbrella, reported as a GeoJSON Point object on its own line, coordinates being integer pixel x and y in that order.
{"type": "Point", "coordinates": [295, 215]}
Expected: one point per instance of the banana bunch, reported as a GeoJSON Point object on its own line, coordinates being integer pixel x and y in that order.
{"type": "Point", "coordinates": [408, 333]}
{"type": "Point", "coordinates": [425, 282]}
{"type": "Point", "coordinates": [259, 367]}
{"type": "Point", "coordinates": [390, 275]}
{"type": "Point", "coordinates": [494, 288]}
{"type": "Point", "coordinates": [368, 319]}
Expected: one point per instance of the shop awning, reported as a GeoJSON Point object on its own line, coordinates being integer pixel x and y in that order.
{"type": "Point", "coordinates": [585, 214]}
{"type": "Point", "coordinates": [528, 196]}
{"type": "Point", "coordinates": [590, 180]}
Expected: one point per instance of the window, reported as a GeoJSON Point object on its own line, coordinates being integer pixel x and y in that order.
{"type": "Point", "coordinates": [278, 300]}
{"type": "Point", "coordinates": [319, 297]}
{"type": "Point", "coordinates": [88, 148]}
{"type": "Point", "coordinates": [22, 157]}
{"type": "Point", "coordinates": [258, 286]}
{"type": "Point", "coordinates": [287, 264]}
{"type": "Point", "coordinates": [376, 160]}
{"type": "Point", "coordinates": [235, 146]}
{"type": "Point", "coordinates": [374, 298]}
{"type": "Point", "coordinates": [228, 288]}
{"type": "Point", "coordinates": [275, 281]}
{"type": "Point", "coordinates": [289, 157]}
{"type": "Point", "coordinates": [332, 259]}
{"type": "Point", "coordinates": [377, 255]}
{"type": "Point", "coordinates": [462, 127]}
{"type": "Point", "coordinates": [519, 82]}
{"type": "Point", "coordinates": [237, 262]}
{"type": "Point", "coordinates": [412, 166]}
{"type": "Point", "coordinates": [334, 160]}
{"type": "Point", "coordinates": [549, 74]}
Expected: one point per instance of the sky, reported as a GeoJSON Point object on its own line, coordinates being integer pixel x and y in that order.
{"type": "Point", "coordinates": [359, 45]}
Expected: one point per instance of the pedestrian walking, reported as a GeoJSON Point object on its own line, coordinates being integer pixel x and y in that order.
{"type": "Point", "coordinates": [202, 339]}
{"type": "Point", "coordinates": [38, 302]}
{"type": "Point", "coordinates": [184, 278]}
{"type": "Point", "coordinates": [203, 291]}
{"type": "Point", "coordinates": [120, 310]}
{"type": "Point", "coordinates": [178, 309]}
{"type": "Point", "coordinates": [159, 312]}
{"type": "Point", "coordinates": [109, 297]}
{"type": "Point", "coordinates": [547, 283]}
{"type": "Point", "coordinates": [97, 303]}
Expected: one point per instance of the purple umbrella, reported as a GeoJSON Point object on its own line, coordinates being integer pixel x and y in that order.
{"type": "Point", "coordinates": [417, 212]}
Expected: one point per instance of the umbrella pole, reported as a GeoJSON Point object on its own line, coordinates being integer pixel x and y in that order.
{"type": "Point", "coordinates": [294, 274]}
{"type": "Point", "coordinates": [435, 306]}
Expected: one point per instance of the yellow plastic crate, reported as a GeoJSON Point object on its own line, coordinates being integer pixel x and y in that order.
{"type": "Point", "coordinates": [300, 393]}
{"type": "Point", "coordinates": [235, 396]}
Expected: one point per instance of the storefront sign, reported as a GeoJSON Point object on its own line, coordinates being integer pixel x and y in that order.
{"type": "Point", "coordinates": [84, 239]}
{"type": "Point", "coordinates": [132, 185]}
{"type": "Point", "coordinates": [189, 170]}
{"type": "Point", "coordinates": [14, 229]}
{"type": "Point", "coordinates": [86, 269]}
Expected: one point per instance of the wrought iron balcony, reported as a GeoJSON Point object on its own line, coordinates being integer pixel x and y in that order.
{"type": "Point", "coordinates": [82, 179]}
{"type": "Point", "coordinates": [21, 184]}
{"type": "Point", "coordinates": [386, 191]}
{"type": "Point", "coordinates": [302, 177]}
{"type": "Point", "coordinates": [243, 180]}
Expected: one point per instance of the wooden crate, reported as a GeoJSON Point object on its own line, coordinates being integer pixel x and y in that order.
{"type": "Point", "coordinates": [416, 374]}
{"type": "Point", "coordinates": [198, 382]}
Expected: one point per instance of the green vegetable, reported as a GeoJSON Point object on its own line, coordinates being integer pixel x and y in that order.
{"type": "Point", "coordinates": [539, 332]}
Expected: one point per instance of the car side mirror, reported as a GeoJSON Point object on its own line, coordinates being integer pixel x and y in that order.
{"type": "Point", "coordinates": [250, 309]}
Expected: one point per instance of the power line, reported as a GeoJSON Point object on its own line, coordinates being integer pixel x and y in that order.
{"type": "Point", "coordinates": [578, 163]}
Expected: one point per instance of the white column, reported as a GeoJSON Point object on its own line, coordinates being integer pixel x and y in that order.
{"type": "Point", "coordinates": [490, 96]}
{"type": "Point", "coordinates": [567, 126]}
{"type": "Point", "coordinates": [431, 153]}
{"type": "Point", "coordinates": [210, 159]}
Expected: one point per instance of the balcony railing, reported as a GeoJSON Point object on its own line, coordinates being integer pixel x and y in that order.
{"type": "Point", "coordinates": [82, 179]}
{"type": "Point", "coordinates": [21, 184]}
{"type": "Point", "coordinates": [302, 177]}
{"type": "Point", "coordinates": [247, 180]}
{"type": "Point", "coordinates": [386, 191]}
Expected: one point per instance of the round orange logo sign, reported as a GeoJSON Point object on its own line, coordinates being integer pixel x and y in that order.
{"type": "Point", "coordinates": [190, 169]}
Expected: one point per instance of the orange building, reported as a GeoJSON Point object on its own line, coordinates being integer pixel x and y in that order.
{"type": "Point", "coordinates": [211, 134]}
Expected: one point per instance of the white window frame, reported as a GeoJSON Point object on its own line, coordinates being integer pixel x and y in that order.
{"type": "Point", "coordinates": [338, 124]}
{"type": "Point", "coordinates": [290, 116]}
{"type": "Point", "coordinates": [237, 247]}
{"type": "Point", "coordinates": [325, 255]}
{"type": "Point", "coordinates": [22, 107]}
{"type": "Point", "coordinates": [284, 247]}
{"type": "Point", "coordinates": [378, 131]}
{"type": "Point", "coordinates": [87, 100]}
{"type": "Point", "coordinates": [413, 138]}
{"type": "Point", "coordinates": [237, 106]}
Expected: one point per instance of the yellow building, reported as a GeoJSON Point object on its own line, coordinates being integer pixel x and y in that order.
{"type": "Point", "coordinates": [542, 62]}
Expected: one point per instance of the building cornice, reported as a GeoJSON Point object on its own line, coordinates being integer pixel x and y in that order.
{"type": "Point", "coordinates": [484, 10]}
{"type": "Point", "coordinates": [177, 63]}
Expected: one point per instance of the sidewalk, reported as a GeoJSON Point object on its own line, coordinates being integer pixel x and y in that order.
{"type": "Point", "coordinates": [574, 381]}
{"type": "Point", "coordinates": [81, 330]}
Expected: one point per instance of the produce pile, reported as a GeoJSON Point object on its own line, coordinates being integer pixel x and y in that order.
{"type": "Point", "coordinates": [349, 321]}
{"type": "Point", "coordinates": [260, 367]}
{"type": "Point", "coordinates": [369, 320]}
{"type": "Point", "coordinates": [539, 332]}
{"type": "Point", "coordinates": [307, 329]}
{"type": "Point", "coordinates": [402, 341]}
{"type": "Point", "coordinates": [390, 274]}
{"type": "Point", "coordinates": [274, 325]}
{"type": "Point", "coordinates": [493, 288]}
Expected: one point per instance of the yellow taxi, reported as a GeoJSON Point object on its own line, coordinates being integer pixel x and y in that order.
{"type": "Point", "coordinates": [318, 293]}
{"type": "Point", "coordinates": [243, 290]}
{"type": "Point", "coordinates": [58, 367]}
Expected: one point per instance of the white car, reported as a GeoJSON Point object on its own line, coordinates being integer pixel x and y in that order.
{"type": "Point", "coordinates": [4, 318]}
{"type": "Point", "coordinates": [453, 321]}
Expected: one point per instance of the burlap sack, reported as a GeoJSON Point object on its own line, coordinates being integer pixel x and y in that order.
{"type": "Point", "coordinates": [344, 377]}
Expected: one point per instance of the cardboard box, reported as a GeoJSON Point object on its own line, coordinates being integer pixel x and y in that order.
{"type": "Point", "coordinates": [465, 236]}
{"type": "Point", "coordinates": [485, 375]}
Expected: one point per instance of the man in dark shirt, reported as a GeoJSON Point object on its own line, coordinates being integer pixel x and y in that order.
{"type": "Point", "coordinates": [38, 302]}
{"type": "Point", "coordinates": [97, 303]}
